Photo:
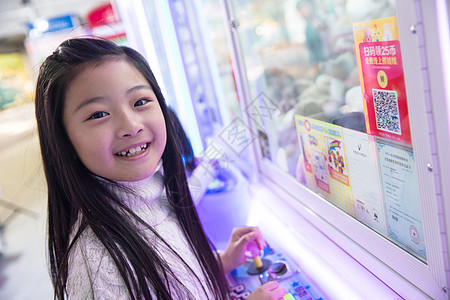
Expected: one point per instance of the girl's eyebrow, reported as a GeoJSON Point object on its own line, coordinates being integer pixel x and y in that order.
{"type": "Point", "coordinates": [139, 87]}
{"type": "Point", "coordinates": [89, 101]}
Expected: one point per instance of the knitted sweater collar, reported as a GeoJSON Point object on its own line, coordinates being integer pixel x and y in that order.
{"type": "Point", "coordinates": [149, 188]}
{"type": "Point", "coordinates": [146, 197]}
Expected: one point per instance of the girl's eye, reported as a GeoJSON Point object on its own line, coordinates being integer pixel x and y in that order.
{"type": "Point", "coordinates": [98, 115]}
{"type": "Point", "coordinates": [141, 102]}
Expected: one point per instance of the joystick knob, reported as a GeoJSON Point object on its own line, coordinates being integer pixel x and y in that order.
{"type": "Point", "coordinates": [259, 265]}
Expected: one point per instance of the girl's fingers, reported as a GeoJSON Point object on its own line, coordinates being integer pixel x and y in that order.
{"type": "Point", "coordinates": [274, 289]}
{"type": "Point", "coordinates": [246, 239]}
{"type": "Point", "coordinates": [259, 239]}
{"type": "Point", "coordinates": [239, 231]}
{"type": "Point", "coordinates": [279, 293]}
{"type": "Point", "coordinates": [248, 234]}
{"type": "Point", "coordinates": [270, 286]}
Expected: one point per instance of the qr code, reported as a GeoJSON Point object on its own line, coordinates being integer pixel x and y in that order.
{"type": "Point", "coordinates": [387, 116]}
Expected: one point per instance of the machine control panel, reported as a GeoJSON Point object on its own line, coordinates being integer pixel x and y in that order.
{"type": "Point", "coordinates": [276, 266]}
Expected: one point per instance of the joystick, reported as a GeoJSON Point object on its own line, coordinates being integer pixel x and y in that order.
{"type": "Point", "coordinates": [259, 265]}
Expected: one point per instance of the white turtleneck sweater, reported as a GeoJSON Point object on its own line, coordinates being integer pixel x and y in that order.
{"type": "Point", "coordinates": [94, 275]}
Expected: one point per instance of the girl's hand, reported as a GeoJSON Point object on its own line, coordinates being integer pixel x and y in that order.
{"type": "Point", "coordinates": [268, 291]}
{"type": "Point", "coordinates": [234, 256]}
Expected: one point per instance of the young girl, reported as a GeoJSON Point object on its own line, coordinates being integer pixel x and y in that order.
{"type": "Point", "coordinates": [121, 222]}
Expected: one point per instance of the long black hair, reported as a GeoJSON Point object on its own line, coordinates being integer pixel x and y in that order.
{"type": "Point", "coordinates": [74, 193]}
{"type": "Point", "coordinates": [187, 152]}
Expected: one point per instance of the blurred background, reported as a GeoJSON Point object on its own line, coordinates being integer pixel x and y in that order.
{"type": "Point", "coordinates": [29, 31]}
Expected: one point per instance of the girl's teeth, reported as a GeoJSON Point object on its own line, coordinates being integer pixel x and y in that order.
{"type": "Point", "coordinates": [133, 151]}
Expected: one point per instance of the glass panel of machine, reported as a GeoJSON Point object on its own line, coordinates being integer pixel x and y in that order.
{"type": "Point", "coordinates": [330, 106]}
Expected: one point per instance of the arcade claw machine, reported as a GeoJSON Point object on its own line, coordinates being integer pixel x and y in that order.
{"type": "Point", "coordinates": [349, 101]}
{"type": "Point", "coordinates": [341, 111]}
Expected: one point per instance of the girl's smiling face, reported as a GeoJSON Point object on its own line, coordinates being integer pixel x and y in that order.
{"type": "Point", "coordinates": [114, 121]}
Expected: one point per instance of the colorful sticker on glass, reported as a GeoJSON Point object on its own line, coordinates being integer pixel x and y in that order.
{"type": "Point", "coordinates": [381, 75]}
{"type": "Point", "coordinates": [322, 165]}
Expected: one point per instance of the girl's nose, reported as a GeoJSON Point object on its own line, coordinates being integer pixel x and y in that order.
{"type": "Point", "coordinates": [128, 125]}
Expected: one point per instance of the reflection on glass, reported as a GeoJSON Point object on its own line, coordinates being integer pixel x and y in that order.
{"type": "Point", "coordinates": [301, 55]}
{"type": "Point", "coordinates": [216, 34]}
{"type": "Point", "coordinates": [329, 103]}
